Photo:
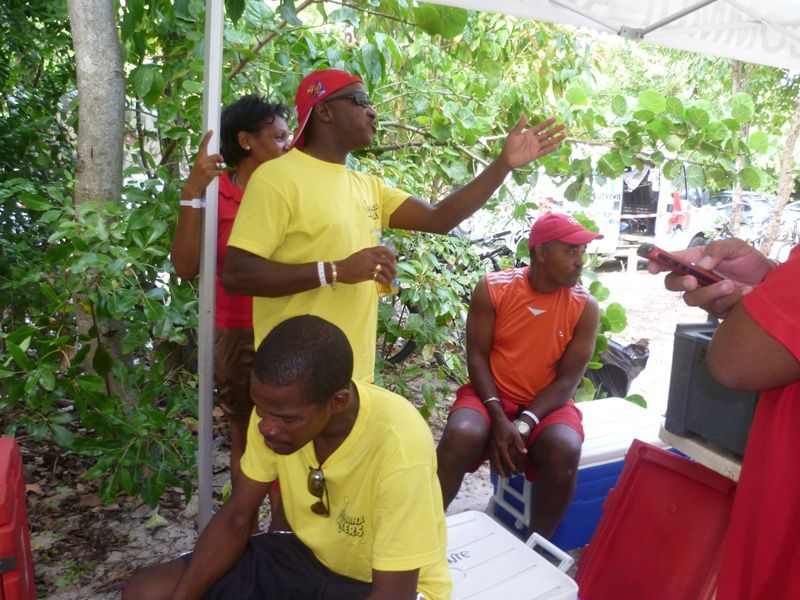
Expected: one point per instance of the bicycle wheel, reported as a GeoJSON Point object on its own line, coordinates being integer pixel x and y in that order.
{"type": "Point", "coordinates": [394, 341]}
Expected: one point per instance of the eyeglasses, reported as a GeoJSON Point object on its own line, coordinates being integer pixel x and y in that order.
{"type": "Point", "coordinates": [359, 98]}
{"type": "Point", "coordinates": [318, 488]}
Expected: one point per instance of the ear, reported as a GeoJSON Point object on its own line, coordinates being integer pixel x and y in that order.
{"type": "Point", "coordinates": [322, 112]}
{"type": "Point", "coordinates": [540, 253]}
{"type": "Point", "coordinates": [340, 400]}
{"type": "Point", "coordinates": [244, 139]}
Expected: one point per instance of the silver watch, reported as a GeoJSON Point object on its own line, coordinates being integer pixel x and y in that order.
{"type": "Point", "coordinates": [523, 428]}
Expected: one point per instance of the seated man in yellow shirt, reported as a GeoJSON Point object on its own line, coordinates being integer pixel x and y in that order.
{"type": "Point", "coordinates": [357, 468]}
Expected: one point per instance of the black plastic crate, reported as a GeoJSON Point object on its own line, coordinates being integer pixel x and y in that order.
{"type": "Point", "coordinates": [697, 404]}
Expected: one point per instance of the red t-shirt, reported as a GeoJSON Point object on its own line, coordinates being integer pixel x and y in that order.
{"type": "Point", "coordinates": [762, 549]}
{"type": "Point", "coordinates": [233, 311]}
{"type": "Point", "coordinates": [531, 332]}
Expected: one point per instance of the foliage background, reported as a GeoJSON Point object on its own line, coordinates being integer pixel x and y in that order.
{"type": "Point", "coordinates": [447, 85]}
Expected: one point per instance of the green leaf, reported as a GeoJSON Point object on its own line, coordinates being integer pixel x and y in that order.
{"type": "Point", "coordinates": [102, 361]}
{"type": "Point", "coordinates": [143, 77]}
{"type": "Point", "coordinates": [742, 107]}
{"type": "Point", "coordinates": [758, 141]}
{"type": "Point", "coordinates": [234, 9]}
{"type": "Point", "coordinates": [18, 354]}
{"type": "Point", "coordinates": [289, 14]}
{"type": "Point", "coordinates": [576, 96]}
{"type": "Point", "coordinates": [611, 164]}
{"type": "Point", "coordinates": [698, 117]}
{"type": "Point", "coordinates": [674, 106]}
{"type": "Point", "coordinates": [441, 20]}
{"type": "Point", "coordinates": [599, 291]}
{"type": "Point", "coordinates": [619, 106]}
{"type": "Point", "coordinates": [615, 314]}
{"type": "Point", "coordinates": [695, 176]}
{"type": "Point", "coordinates": [191, 86]}
{"type": "Point", "coordinates": [652, 100]}
{"type": "Point", "coordinates": [659, 128]}
{"type": "Point", "coordinates": [62, 436]}
{"type": "Point", "coordinates": [35, 202]}
{"type": "Point", "coordinates": [750, 178]}
{"type": "Point", "coordinates": [637, 399]}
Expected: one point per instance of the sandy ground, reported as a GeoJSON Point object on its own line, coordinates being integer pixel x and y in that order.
{"type": "Point", "coordinates": [652, 312]}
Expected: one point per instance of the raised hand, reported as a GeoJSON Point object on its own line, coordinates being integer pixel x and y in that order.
{"type": "Point", "coordinates": [204, 169]}
{"type": "Point", "coordinates": [523, 146]}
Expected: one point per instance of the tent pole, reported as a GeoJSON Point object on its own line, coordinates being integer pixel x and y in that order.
{"type": "Point", "coordinates": [205, 339]}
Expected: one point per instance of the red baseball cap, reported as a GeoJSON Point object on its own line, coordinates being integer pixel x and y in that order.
{"type": "Point", "coordinates": [555, 226]}
{"type": "Point", "coordinates": [315, 87]}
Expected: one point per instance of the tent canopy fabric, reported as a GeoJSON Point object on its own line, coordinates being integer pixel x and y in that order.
{"type": "Point", "coordinates": [758, 31]}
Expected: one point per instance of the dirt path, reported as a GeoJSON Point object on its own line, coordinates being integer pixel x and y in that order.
{"type": "Point", "coordinates": [83, 550]}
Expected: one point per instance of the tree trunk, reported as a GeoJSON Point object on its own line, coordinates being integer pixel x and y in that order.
{"type": "Point", "coordinates": [101, 111]}
{"type": "Point", "coordinates": [785, 180]}
{"type": "Point", "coordinates": [740, 79]}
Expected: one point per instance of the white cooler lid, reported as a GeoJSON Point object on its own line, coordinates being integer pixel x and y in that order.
{"type": "Point", "coordinates": [611, 424]}
{"type": "Point", "coordinates": [489, 563]}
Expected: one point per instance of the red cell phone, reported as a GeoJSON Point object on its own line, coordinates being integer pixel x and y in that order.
{"type": "Point", "coordinates": [677, 265]}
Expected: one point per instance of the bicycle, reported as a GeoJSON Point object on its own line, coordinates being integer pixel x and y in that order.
{"type": "Point", "coordinates": [406, 320]}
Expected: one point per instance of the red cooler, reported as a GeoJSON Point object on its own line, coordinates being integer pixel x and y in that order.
{"type": "Point", "coordinates": [16, 568]}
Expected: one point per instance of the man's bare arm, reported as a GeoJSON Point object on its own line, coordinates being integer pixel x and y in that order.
{"type": "Point", "coordinates": [250, 275]}
{"type": "Point", "coordinates": [744, 356]}
{"type": "Point", "coordinates": [572, 364]}
{"type": "Point", "coordinates": [506, 446]}
{"type": "Point", "coordinates": [522, 146]}
{"type": "Point", "coordinates": [394, 585]}
{"type": "Point", "coordinates": [223, 539]}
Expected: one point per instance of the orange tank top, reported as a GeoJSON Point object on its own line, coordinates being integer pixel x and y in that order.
{"type": "Point", "coordinates": [531, 332]}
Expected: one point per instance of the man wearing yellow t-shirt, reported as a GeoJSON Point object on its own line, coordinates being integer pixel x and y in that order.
{"type": "Point", "coordinates": [306, 238]}
{"type": "Point", "coordinates": [357, 468]}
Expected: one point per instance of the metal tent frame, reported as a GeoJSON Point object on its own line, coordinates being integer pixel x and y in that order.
{"type": "Point", "coordinates": [772, 28]}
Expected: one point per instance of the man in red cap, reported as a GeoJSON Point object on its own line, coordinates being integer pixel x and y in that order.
{"type": "Point", "coordinates": [306, 238]}
{"type": "Point", "coordinates": [530, 335]}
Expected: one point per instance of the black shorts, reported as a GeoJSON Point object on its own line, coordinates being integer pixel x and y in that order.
{"type": "Point", "coordinates": [278, 566]}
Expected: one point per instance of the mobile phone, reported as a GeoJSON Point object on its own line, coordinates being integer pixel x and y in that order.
{"type": "Point", "coordinates": [677, 265]}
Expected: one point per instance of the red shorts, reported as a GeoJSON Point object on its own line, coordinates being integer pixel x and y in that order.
{"type": "Point", "coordinates": [566, 415]}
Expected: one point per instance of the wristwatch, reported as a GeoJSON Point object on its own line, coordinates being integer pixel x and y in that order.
{"type": "Point", "coordinates": [523, 428]}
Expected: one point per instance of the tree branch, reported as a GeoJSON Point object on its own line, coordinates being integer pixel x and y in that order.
{"type": "Point", "coordinates": [267, 38]}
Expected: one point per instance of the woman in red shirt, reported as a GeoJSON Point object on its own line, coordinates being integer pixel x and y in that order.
{"type": "Point", "coordinates": [252, 132]}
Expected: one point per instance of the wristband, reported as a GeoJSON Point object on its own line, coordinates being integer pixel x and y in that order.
{"type": "Point", "coordinates": [333, 276]}
{"type": "Point", "coordinates": [491, 399]}
{"type": "Point", "coordinates": [321, 274]}
{"type": "Point", "coordinates": [194, 203]}
{"type": "Point", "coordinates": [532, 417]}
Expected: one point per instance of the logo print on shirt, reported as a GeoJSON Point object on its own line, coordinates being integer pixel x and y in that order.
{"type": "Point", "coordinates": [371, 208]}
{"type": "Point", "coordinates": [537, 311]}
{"type": "Point", "coordinates": [350, 525]}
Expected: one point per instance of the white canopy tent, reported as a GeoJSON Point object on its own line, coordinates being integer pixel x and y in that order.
{"type": "Point", "coordinates": [759, 31]}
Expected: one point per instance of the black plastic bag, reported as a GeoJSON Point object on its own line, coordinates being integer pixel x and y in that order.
{"type": "Point", "coordinates": [621, 365]}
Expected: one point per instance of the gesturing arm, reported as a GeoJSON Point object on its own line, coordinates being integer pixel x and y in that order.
{"type": "Point", "coordinates": [185, 251]}
{"type": "Point", "coordinates": [521, 147]}
{"type": "Point", "coordinates": [223, 539]}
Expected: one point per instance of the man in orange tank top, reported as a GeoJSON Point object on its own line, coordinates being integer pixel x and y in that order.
{"type": "Point", "coordinates": [530, 334]}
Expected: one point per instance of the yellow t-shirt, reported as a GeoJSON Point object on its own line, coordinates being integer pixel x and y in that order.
{"type": "Point", "coordinates": [298, 209]}
{"type": "Point", "coordinates": [385, 500]}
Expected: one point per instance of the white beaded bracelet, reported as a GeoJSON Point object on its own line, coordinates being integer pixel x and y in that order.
{"type": "Point", "coordinates": [491, 399]}
{"type": "Point", "coordinates": [532, 416]}
{"type": "Point", "coordinates": [194, 203]}
{"type": "Point", "coordinates": [321, 273]}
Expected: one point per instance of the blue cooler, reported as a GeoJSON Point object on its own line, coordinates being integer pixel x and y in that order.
{"type": "Point", "coordinates": [610, 424]}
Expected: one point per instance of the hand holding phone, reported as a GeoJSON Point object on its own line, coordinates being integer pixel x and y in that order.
{"type": "Point", "coordinates": [677, 265]}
